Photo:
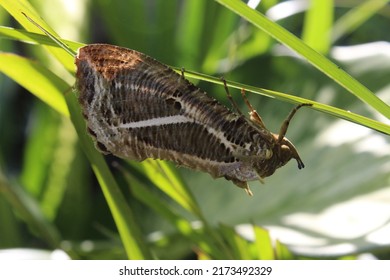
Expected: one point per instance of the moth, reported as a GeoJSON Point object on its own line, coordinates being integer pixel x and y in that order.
{"type": "Point", "coordinates": [137, 108]}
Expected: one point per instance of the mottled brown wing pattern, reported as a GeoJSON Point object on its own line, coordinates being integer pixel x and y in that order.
{"type": "Point", "coordinates": [138, 108]}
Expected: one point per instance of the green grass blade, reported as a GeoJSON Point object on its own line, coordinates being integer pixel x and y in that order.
{"type": "Point", "coordinates": [190, 27]}
{"type": "Point", "coordinates": [346, 115]}
{"type": "Point", "coordinates": [128, 229]}
{"type": "Point", "coordinates": [356, 17]}
{"type": "Point", "coordinates": [45, 85]}
{"type": "Point", "coordinates": [16, 8]}
{"type": "Point", "coordinates": [315, 58]}
{"type": "Point", "coordinates": [163, 177]}
{"type": "Point", "coordinates": [336, 112]}
{"type": "Point", "coordinates": [34, 38]}
{"type": "Point", "coordinates": [28, 209]}
{"type": "Point", "coordinates": [33, 176]}
{"type": "Point", "coordinates": [318, 23]}
{"type": "Point", "coordinates": [167, 181]}
{"type": "Point", "coordinates": [203, 240]}
{"type": "Point", "coordinates": [263, 244]}
{"type": "Point", "coordinates": [282, 252]}
{"type": "Point", "coordinates": [237, 244]}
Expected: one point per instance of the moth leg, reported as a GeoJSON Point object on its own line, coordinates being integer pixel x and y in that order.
{"type": "Point", "coordinates": [286, 123]}
{"type": "Point", "coordinates": [254, 116]}
{"type": "Point", "coordinates": [243, 185]}
{"type": "Point", "coordinates": [182, 70]}
{"type": "Point", "coordinates": [261, 180]}
{"type": "Point", "coordinates": [229, 96]}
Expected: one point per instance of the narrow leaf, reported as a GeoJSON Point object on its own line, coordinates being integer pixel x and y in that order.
{"type": "Point", "coordinates": [263, 244]}
{"type": "Point", "coordinates": [45, 85]}
{"type": "Point", "coordinates": [315, 58]}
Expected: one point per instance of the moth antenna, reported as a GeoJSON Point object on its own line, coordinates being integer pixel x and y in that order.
{"type": "Point", "coordinates": [61, 44]}
{"type": "Point", "coordinates": [286, 123]}
{"type": "Point", "coordinates": [229, 96]}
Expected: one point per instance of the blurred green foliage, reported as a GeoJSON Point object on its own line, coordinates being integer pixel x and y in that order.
{"type": "Point", "coordinates": [50, 197]}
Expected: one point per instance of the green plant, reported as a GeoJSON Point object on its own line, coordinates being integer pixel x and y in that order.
{"type": "Point", "coordinates": [174, 201]}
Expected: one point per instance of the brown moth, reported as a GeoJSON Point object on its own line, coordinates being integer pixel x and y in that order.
{"type": "Point", "coordinates": [138, 108]}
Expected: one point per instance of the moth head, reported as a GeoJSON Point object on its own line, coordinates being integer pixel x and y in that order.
{"type": "Point", "coordinates": [282, 152]}
{"type": "Point", "coordinates": [288, 151]}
